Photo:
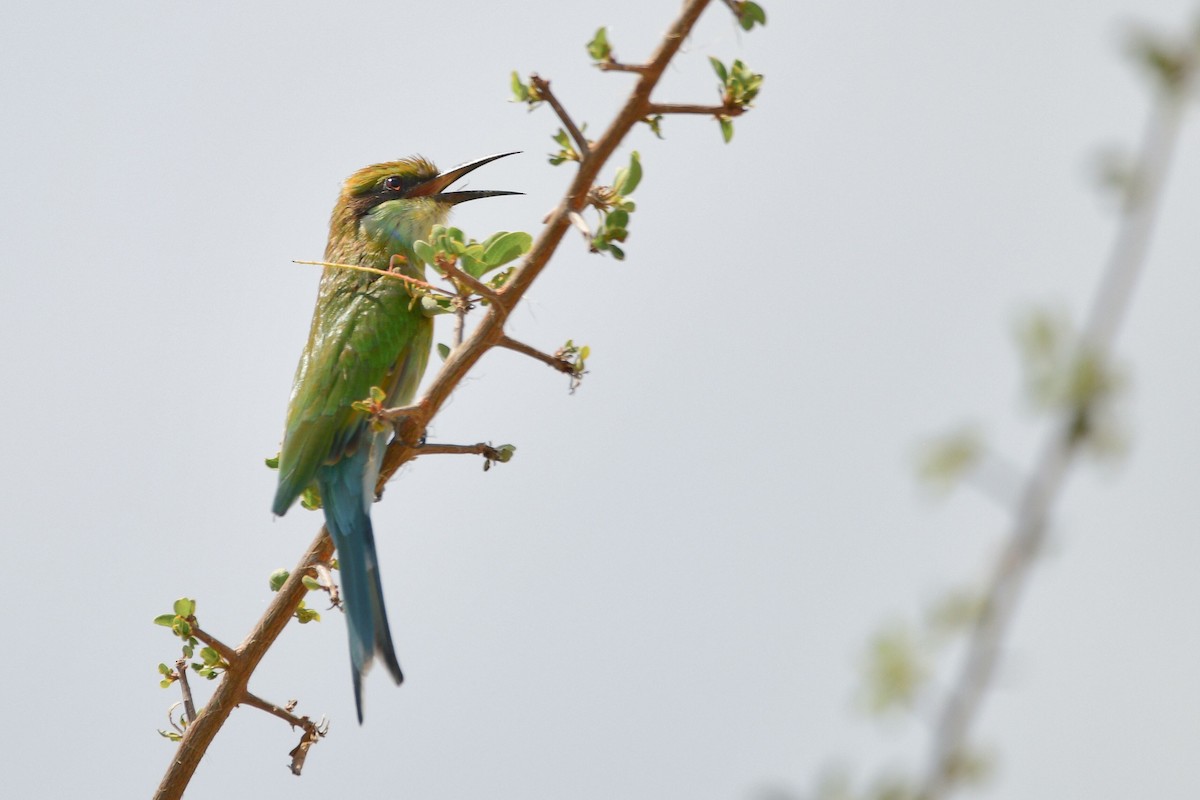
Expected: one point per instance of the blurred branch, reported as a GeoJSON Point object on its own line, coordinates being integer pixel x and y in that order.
{"type": "Point", "coordinates": [1045, 482]}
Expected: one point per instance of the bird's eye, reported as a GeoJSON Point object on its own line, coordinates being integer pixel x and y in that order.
{"type": "Point", "coordinates": [394, 182]}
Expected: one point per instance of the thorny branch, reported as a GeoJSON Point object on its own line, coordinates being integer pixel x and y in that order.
{"type": "Point", "coordinates": [1049, 473]}
{"type": "Point", "coordinates": [555, 361]}
{"type": "Point", "coordinates": [312, 730]}
{"type": "Point", "coordinates": [226, 652]}
{"type": "Point", "coordinates": [412, 422]}
{"type": "Point", "coordinates": [543, 89]}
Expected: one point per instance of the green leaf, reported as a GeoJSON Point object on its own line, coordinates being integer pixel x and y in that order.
{"type": "Point", "coordinates": [166, 620]}
{"type": "Point", "coordinates": [277, 579]}
{"type": "Point", "coordinates": [617, 252]}
{"type": "Point", "coordinates": [164, 669]}
{"type": "Point", "coordinates": [505, 452]}
{"type": "Point", "coordinates": [311, 584]}
{"type": "Point", "coordinates": [616, 219]}
{"type": "Point", "coordinates": [750, 14]}
{"type": "Point", "coordinates": [520, 90]}
{"type": "Point", "coordinates": [210, 656]}
{"type": "Point", "coordinates": [719, 68]}
{"type": "Point", "coordinates": [896, 670]}
{"type": "Point", "coordinates": [273, 463]}
{"type": "Point", "coordinates": [443, 351]}
{"type": "Point", "coordinates": [424, 251]}
{"type": "Point", "coordinates": [629, 177]}
{"type": "Point", "coordinates": [598, 48]}
{"type": "Point", "coordinates": [310, 498]}
{"type": "Point", "coordinates": [726, 128]}
{"type": "Point", "coordinates": [945, 461]}
{"type": "Point", "coordinates": [655, 124]}
{"type": "Point", "coordinates": [470, 263]}
{"type": "Point", "coordinates": [500, 278]}
{"type": "Point", "coordinates": [501, 248]}
{"type": "Point", "coordinates": [185, 607]}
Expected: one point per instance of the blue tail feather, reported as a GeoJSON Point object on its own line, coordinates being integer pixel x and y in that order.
{"type": "Point", "coordinates": [348, 519]}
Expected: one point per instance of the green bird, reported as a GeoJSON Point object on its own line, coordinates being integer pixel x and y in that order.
{"type": "Point", "coordinates": [367, 331]}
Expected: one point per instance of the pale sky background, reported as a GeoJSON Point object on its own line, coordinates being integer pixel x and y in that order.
{"type": "Point", "coordinates": [668, 593]}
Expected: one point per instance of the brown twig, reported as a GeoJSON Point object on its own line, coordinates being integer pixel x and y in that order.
{"type": "Point", "coordinates": [543, 89]}
{"type": "Point", "coordinates": [226, 652]}
{"type": "Point", "coordinates": [325, 578]}
{"type": "Point", "coordinates": [313, 731]}
{"type": "Point", "coordinates": [189, 708]}
{"type": "Point", "coordinates": [1049, 473]}
{"type": "Point", "coordinates": [480, 449]}
{"type": "Point", "coordinates": [254, 701]}
{"type": "Point", "coordinates": [689, 108]}
{"type": "Point", "coordinates": [476, 286]}
{"type": "Point", "coordinates": [429, 287]}
{"type": "Point", "coordinates": [617, 66]}
{"type": "Point", "coordinates": [558, 363]}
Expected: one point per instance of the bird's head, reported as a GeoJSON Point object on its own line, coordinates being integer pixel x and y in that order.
{"type": "Point", "coordinates": [397, 202]}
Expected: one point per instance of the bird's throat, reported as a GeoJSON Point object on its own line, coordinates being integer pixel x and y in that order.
{"type": "Point", "coordinates": [394, 226]}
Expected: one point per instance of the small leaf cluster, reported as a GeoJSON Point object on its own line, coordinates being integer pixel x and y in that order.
{"type": "Point", "coordinates": [900, 657]}
{"type": "Point", "coordinates": [501, 455]}
{"type": "Point", "coordinates": [947, 459]}
{"type": "Point", "coordinates": [525, 92]}
{"type": "Point", "coordinates": [1169, 61]}
{"type": "Point", "coordinates": [181, 622]}
{"type": "Point", "coordinates": [1065, 376]}
{"type": "Point", "coordinates": [614, 205]}
{"type": "Point", "coordinates": [310, 498]}
{"type": "Point", "coordinates": [373, 406]}
{"type": "Point", "coordinates": [566, 148]}
{"type": "Point", "coordinates": [599, 48]}
{"type": "Point", "coordinates": [750, 14]}
{"type": "Point", "coordinates": [576, 357]}
{"type": "Point", "coordinates": [303, 613]}
{"type": "Point", "coordinates": [739, 87]}
{"type": "Point", "coordinates": [450, 246]}
{"type": "Point", "coordinates": [655, 124]}
{"type": "Point", "coordinates": [901, 662]}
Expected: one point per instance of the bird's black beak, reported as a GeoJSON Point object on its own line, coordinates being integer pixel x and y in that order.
{"type": "Point", "coordinates": [433, 187]}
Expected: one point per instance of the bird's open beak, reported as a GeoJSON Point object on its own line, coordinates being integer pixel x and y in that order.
{"type": "Point", "coordinates": [433, 187]}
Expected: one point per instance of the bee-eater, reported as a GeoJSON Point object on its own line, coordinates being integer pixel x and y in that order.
{"type": "Point", "coordinates": [366, 331]}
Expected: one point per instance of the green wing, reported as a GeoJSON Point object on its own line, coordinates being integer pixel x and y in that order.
{"type": "Point", "coordinates": [363, 334]}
